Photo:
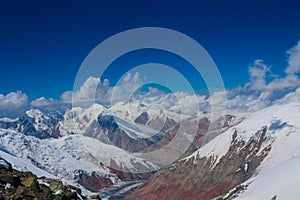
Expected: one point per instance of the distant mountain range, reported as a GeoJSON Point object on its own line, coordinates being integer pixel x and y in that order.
{"type": "Point", "coordinates": [102, 150]}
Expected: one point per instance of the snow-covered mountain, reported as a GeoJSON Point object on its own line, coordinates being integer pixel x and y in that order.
{"type": "Point", "coordinates": [255, 159]}
{"type": "Point", "coordinates": [118, 125]}
{"type": "Point", "coordinates": [86, 144]}
{"type": "Point", "coordinates": [232, 157]}
{"type": "Point", "coordinates": [72, 156]}
{"type": "Point", "coordinates": [115, 125]}
{"type": "Point", "coordinates": [78, 120]}
{"type": "Point", "coordinates": [35, 123]}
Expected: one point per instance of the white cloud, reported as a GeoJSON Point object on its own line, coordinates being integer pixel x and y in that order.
{"type": "Point", "coordinates": [127, 77]}
{"type": "Point", "coordinates": [126, 87]}
{"type": "Point", "coordinates": [290, 97]}
{"type": "Point", "coordinates": [258, 93]}
{"type": "Point", "coordinates": [257, 74]}
{"type": "Point", "coordinates": [291, 81]}
{"type": "Point", "coordinates": [92, 90]}
{"type": "Point", "coordinates": [67, 96]}
{"type": "Point", "coordinates": [217, 98]}
{"type": "Point", "coordinates": [42, 101]}
{"type": "Point", "coordinates": [136, 78]}
{"type": "Point", "coordinates": [13, 100]}
{"type": "Point", "coordinates": [105, 82]}
{"type": "Point", "coordinates": [85, 93]}
{"type": "Point", "coordinates": [294, 60]}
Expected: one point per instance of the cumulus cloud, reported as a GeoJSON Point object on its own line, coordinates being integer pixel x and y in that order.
{"type": "Point", "coordinates": [13, 100]}
{"type": "Point", "coordinates": [257, 74]}
{"type": "Point", "coordinates": [42, 101]}
{"type": "Point", "coordinates": [263, 89]}
{"type": "Point", "coordinates": [126, 87]}
{"type": "Point", "coordinates": [85, 93]}
{"type": "Point", "coordinates": [294, 60]}
{"type": "Point", "coordinates": [258, 93]}
{"type": "Point", "coordinates": [127, 77]}
{"type": "Point", "coordinates": [66, 96]}
{"type": "Point", "coordinates": [93, 90]}
{"type": "Point", "coordinates": [290, 97]}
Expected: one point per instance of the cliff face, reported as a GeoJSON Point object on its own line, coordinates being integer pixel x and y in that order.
{"type": "Point", "coordinates": [204, 178]}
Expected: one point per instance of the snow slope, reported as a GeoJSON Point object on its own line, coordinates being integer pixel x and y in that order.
{"type": "Point", "coordinates": [62, 156]}
{"type": "Point", "coordinates": [130, 111]}
{"type": "Point", "coordinates": [6, 119]}
{"type": "Point", "coordinates": [78, 120]}
{"type": "Point", "coordinates": [105, 153]}
{"type": "Point", "coordinates": [126, 114]}
{"type": "Point", "coordinates": [281, 181]}
{"type": "Point", "coordinates": [41, 121]}
{"type": "Point", "coordinates": [283, 127]}
{"type": "Point", "coordinates": [278, 172]}
{"type": "Point", "coordinates": [22, 165]}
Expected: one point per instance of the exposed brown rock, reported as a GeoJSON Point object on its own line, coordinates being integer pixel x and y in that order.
{"type": "Point", "coordinates": [94, 197]}
{"type": "Point", "coordinates": [30, 182]}
{"type": "Point", "coordinates": [92, 181]}
{"type": "Point", "coordinates": [203, 178]}
{"type": "Point", "coordinates": [16, 185]}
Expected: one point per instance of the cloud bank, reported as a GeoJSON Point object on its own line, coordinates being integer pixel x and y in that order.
{"type": "Point", "coordinates": [92, 90]}
{"type": "Point", "coordinates": [263, 90]}
{"type": "Point", "coordinates": [13, 100]}
{"type": "Point", "coordinates": [42, 101]}
{"type": "Point", "coordinates": [258, 93]}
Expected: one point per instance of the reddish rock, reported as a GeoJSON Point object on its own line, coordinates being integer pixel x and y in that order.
{"type": "Point", "coordinates": [92, 181]}
{"type": "Point", "coordinates": [202, 178]}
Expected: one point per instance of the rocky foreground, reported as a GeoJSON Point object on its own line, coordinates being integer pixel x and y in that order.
{"type": "Point", "coordinates": [17, 185]}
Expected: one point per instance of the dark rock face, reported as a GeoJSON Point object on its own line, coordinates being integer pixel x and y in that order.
{"type": "Point", "coordinates": [203, 178]}
{"type": "Point", "coordinates": [122, 140]}
{"type": "Point", "coordinates": [107, 122]}
{"type": "Point", "coordinates": [6, 125]}
{"type": "Point", "coordinates": [107, 130]}
{"type": "Point", "coordinates": [15, 185]}
{"type": "Point", "coordinates": [142, 119]}
{"type": "Point", "coordinates": [119, 137]}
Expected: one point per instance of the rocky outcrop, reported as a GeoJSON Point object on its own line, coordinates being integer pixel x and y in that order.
{"type": "Point", "coordinates": [207, 177]}
{"type": "Point", "coordinates": [15, 185]}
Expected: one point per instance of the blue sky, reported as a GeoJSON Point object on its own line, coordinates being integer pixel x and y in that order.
{"type": "Point", "coordinates": [44, 43]}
